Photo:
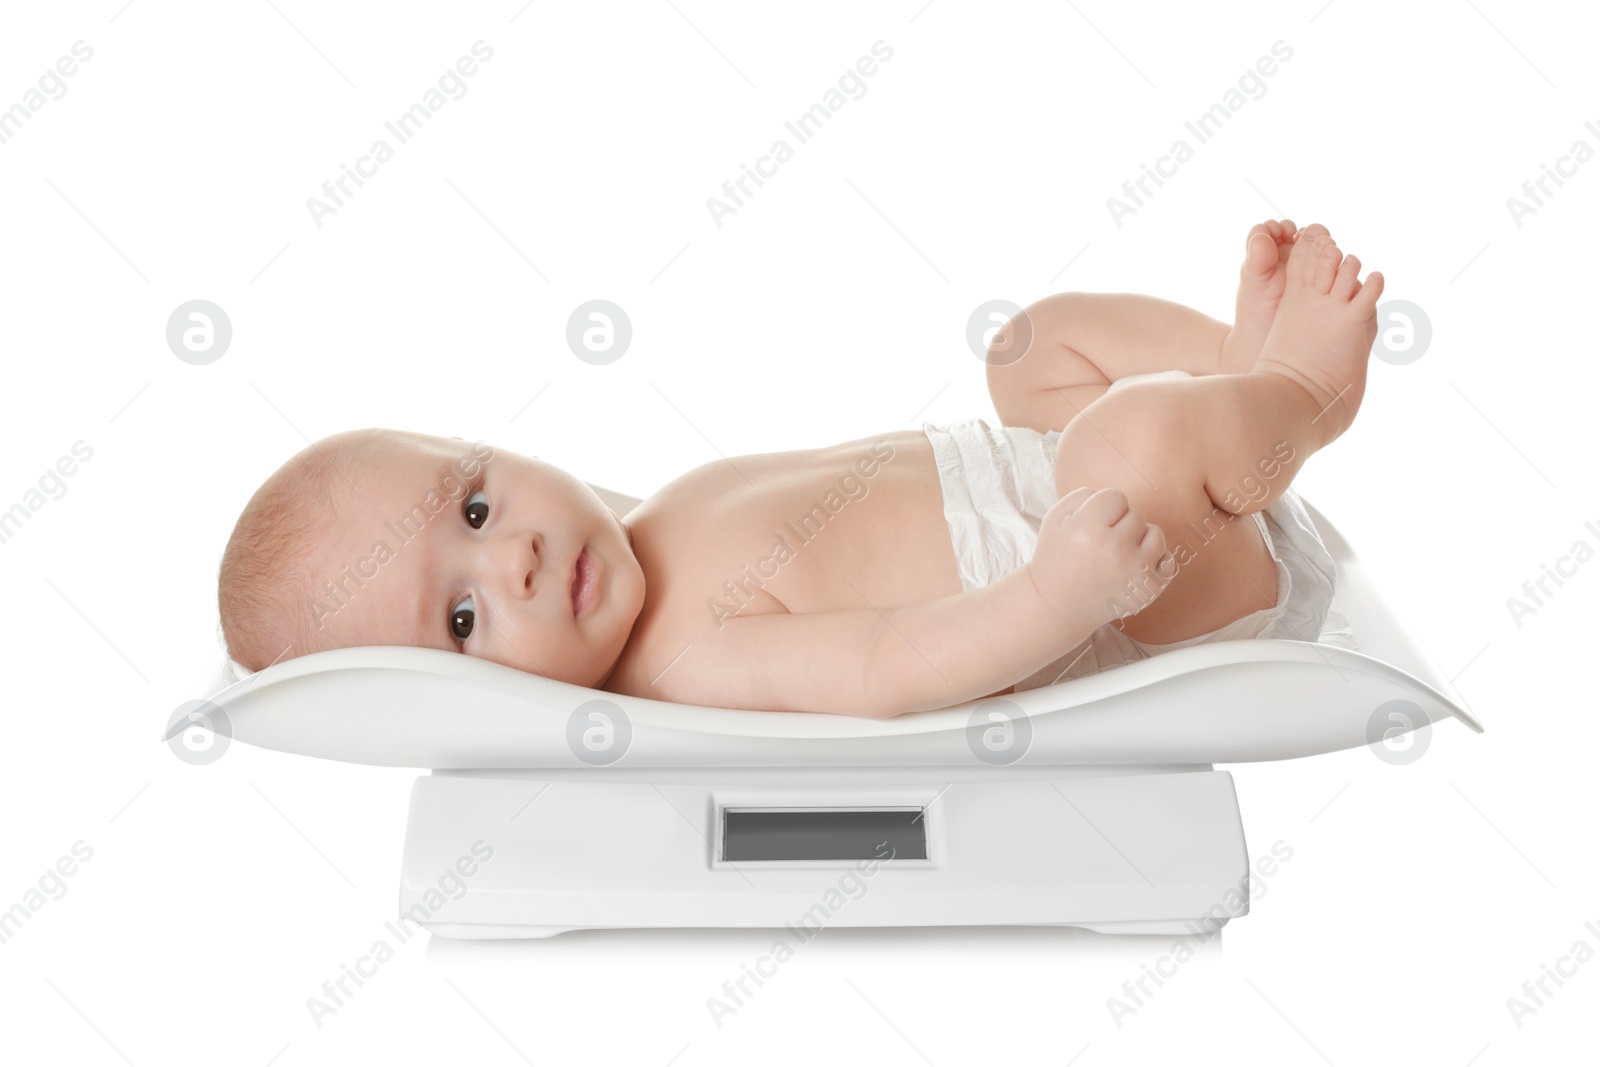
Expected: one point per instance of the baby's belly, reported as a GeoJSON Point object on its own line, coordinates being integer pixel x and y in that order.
{"type": "Point", "coordinates": [854, 526]}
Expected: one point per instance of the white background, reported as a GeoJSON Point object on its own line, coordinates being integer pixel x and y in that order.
{"type": "Point", "coordinates": [831, 306]}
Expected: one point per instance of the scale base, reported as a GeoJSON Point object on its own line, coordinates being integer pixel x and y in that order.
{"type": "Point", "coordinates": [530, 856]}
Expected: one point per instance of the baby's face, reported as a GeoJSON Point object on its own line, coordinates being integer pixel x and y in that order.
{"type": "Point", "coordinates": [466, 548]}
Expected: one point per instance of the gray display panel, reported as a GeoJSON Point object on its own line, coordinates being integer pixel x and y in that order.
{"type": "Point", "coordinates": [832, 834]}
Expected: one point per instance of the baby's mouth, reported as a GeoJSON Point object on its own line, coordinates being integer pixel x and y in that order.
{"type": "Point", "coordinates": [582, 579]}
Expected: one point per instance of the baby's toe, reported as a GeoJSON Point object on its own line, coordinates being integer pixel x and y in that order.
{"type": "Point", "coordinates": [1344, 282]}
{"type": "Point", "coordinates": [1328, 257]}
{"type": "Point", "coordinates": [1260, 254]}
{"type": "Point", "coordinates": [1366, 298]}
{"type": "Point", "coordinates": [1303, 259]}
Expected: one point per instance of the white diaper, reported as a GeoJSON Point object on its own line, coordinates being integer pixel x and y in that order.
{"type": "Point", "coordinates": [998, 482]}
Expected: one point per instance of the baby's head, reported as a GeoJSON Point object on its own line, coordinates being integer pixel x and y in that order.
{"type": "Point", "coordinates": [382, 537]}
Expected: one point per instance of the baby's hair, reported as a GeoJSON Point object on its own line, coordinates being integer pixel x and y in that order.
{"type": "Point", "coordinates": [265, 579]}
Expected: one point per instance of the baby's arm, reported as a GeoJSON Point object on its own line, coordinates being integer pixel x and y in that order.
{"type": "Point", "coordinates": [877, 664]}
{"type": "Point", "coordinates": [937, 653]}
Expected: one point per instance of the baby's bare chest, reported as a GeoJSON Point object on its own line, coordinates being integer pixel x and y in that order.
{"type": "Point", "coordinates": [854, 525]}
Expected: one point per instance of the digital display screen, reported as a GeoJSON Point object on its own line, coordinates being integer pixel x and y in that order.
{"type": "Point", "coordinates": [830, 834]}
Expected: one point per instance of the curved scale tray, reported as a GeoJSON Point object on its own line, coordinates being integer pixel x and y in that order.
{"type": "Point", "coordinates": [1227, 702]}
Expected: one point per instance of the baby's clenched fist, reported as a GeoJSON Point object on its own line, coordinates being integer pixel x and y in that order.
{"type": "Point", "coordinates": [1092, 544]}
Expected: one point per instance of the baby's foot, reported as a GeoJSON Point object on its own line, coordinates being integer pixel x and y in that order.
{"type": "Point", "coordinates": [1266, 258]}
{"type": "Point", "coordinates": [1322, 334]}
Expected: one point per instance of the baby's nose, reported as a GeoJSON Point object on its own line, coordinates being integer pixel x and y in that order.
{"type": "Point", "coordinates": [523, 562]}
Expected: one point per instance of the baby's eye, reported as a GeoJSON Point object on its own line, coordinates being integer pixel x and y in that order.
{"type": "Point", "coordinates": [461, 617]}
{"type": "Point", "coordinates": [476, 509]}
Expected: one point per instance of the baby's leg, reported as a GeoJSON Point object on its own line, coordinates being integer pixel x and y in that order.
{"type": "Point", "coordinates": [1195, 454]}
{"type": "Point", "coordinates": [1079, 343]}
{"type": "Point", "coordinates": [1063, 352]}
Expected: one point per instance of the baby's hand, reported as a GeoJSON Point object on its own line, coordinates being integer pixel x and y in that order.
{"type": "Point", "coordinates": [1091, 545]}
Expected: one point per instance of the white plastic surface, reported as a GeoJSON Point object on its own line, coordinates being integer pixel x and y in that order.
{"type": "Point", "coordinates": [1228, 702]}
{"type": "Point", "coordinates": [1152, 853]}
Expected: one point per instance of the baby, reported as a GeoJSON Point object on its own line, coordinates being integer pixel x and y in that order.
{"type": "Point", "coordinates": [911, 570]}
